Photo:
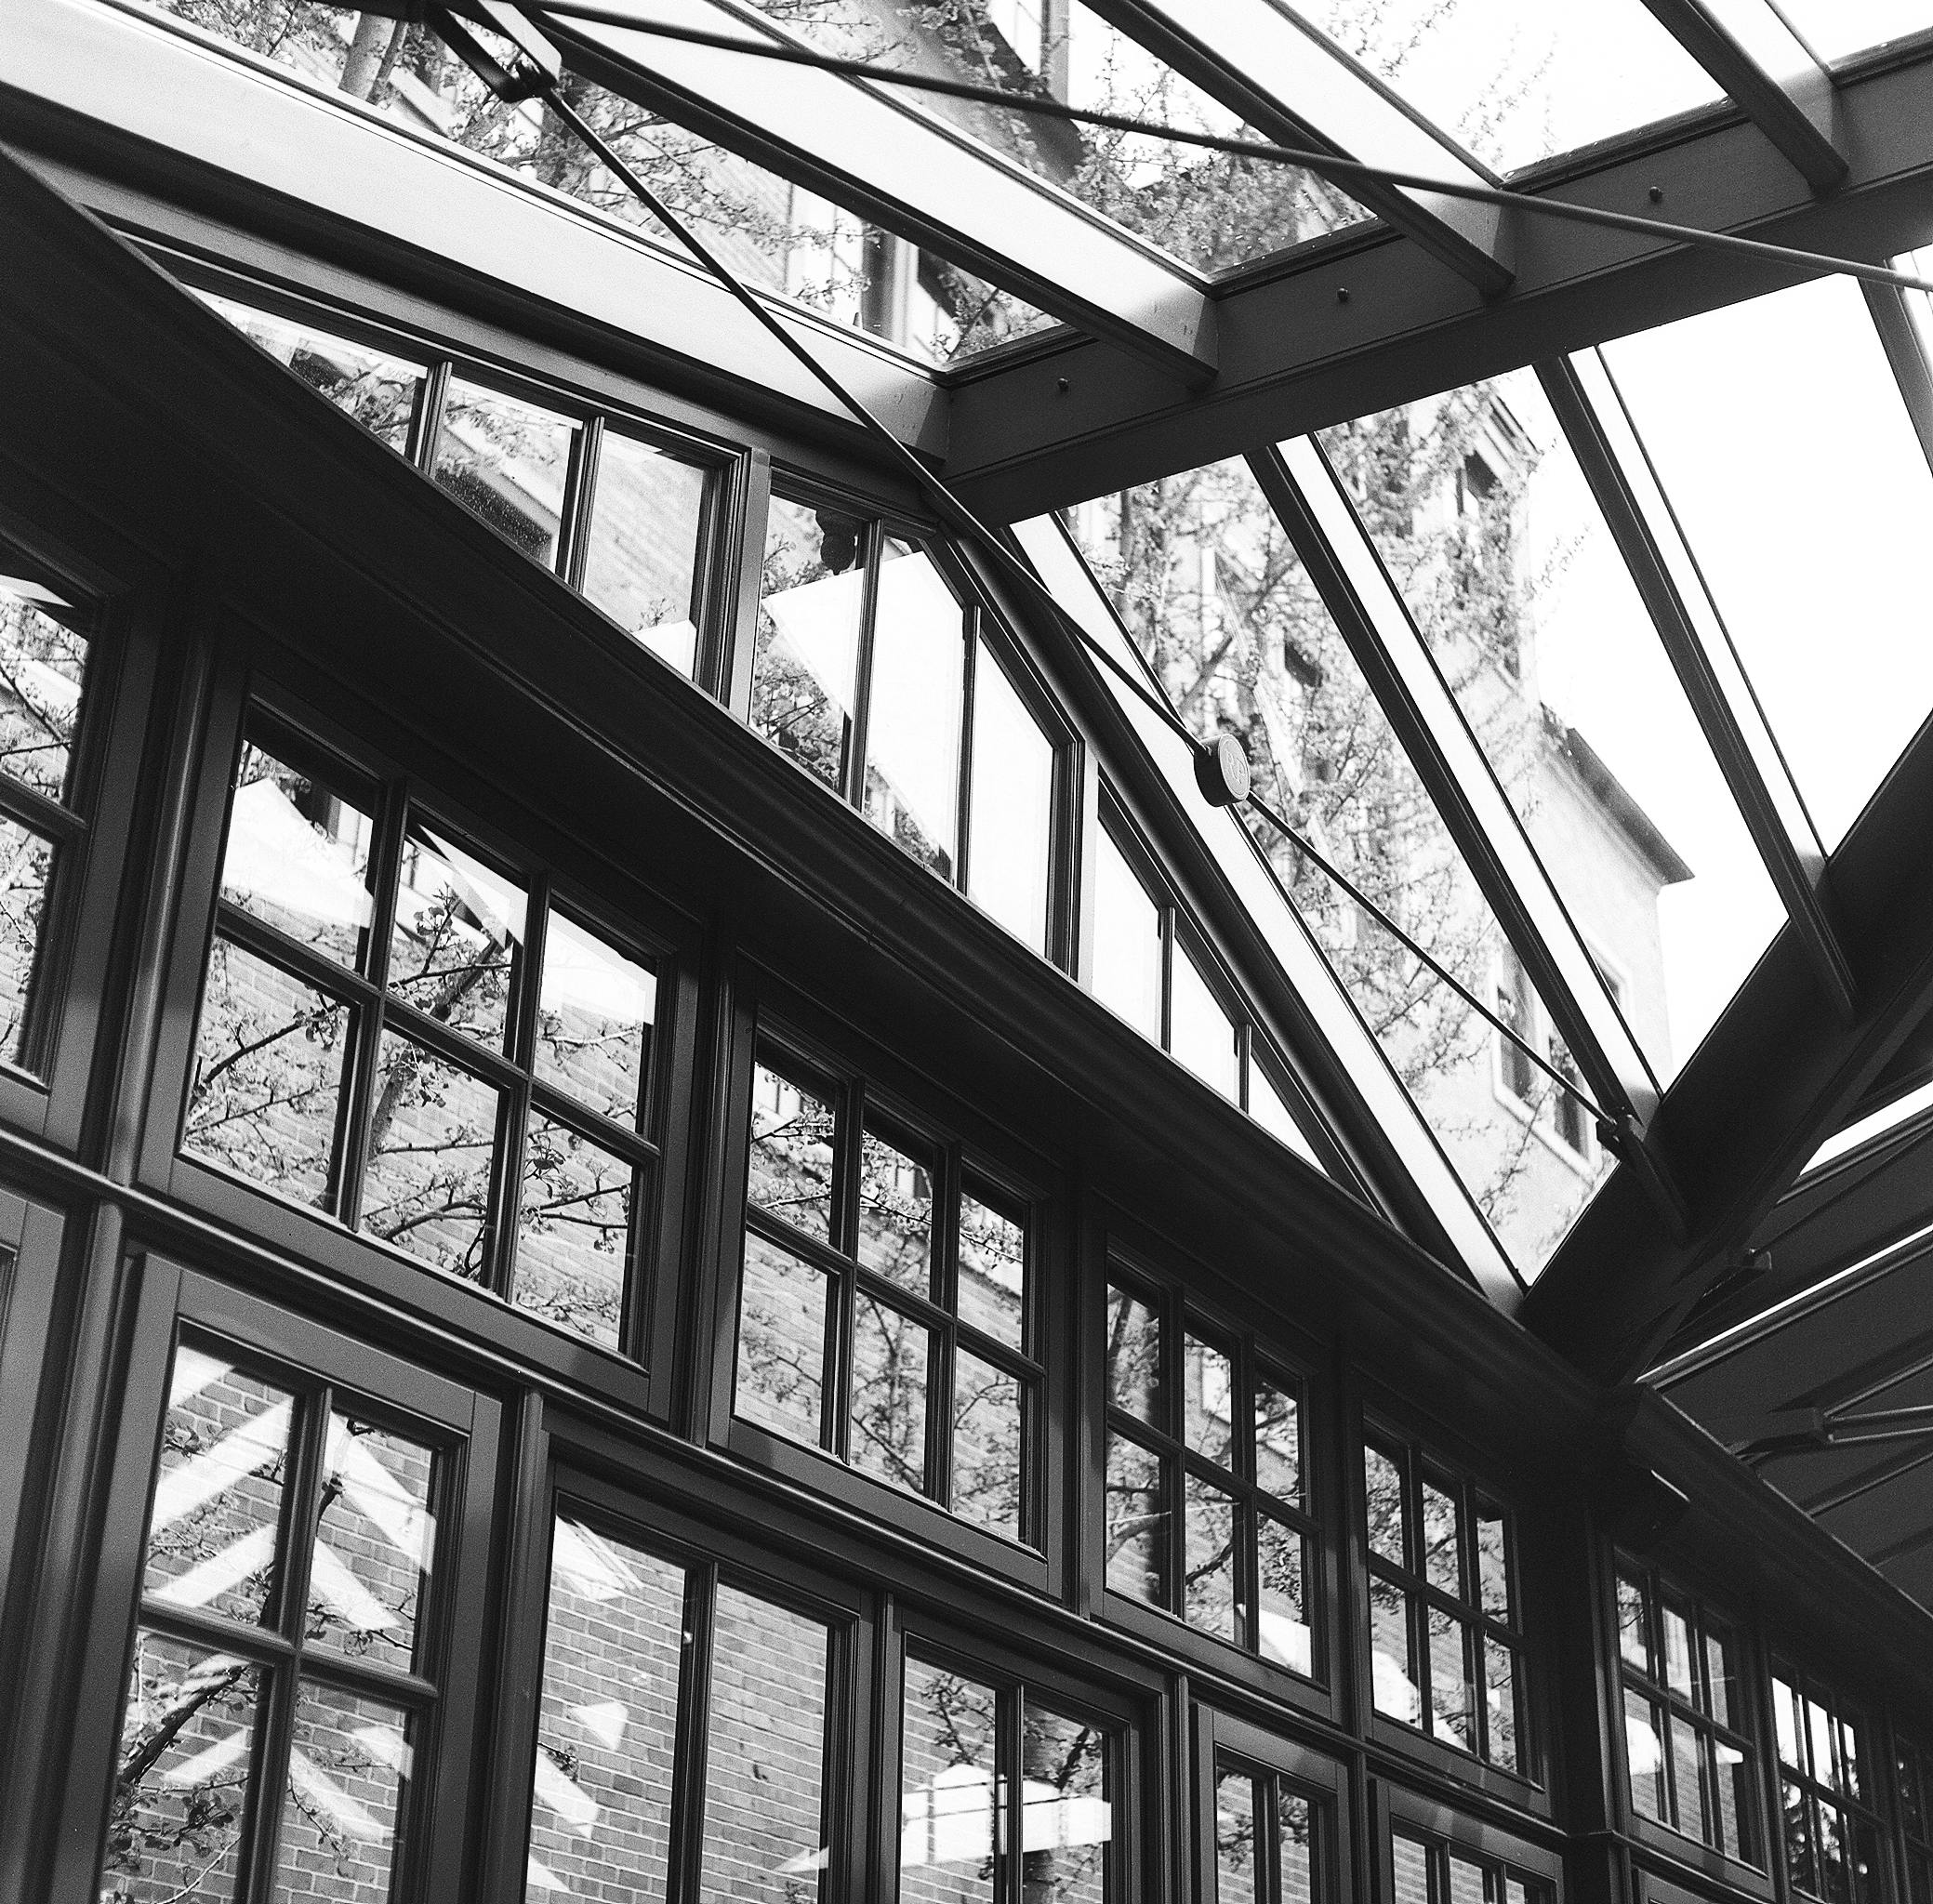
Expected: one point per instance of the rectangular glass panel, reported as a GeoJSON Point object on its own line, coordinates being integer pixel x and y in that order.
{"type": "Point", "coordinates": [950, 1782]}
{"type": "Point", "coordinates": [180, 1800]}
{"type": "Point", "coordinates": [1278, 1440]}
{"type": "Point", "coordinates": [1688, 1779]}
{"type": "Point", "coordinates": [806, 651]}
{"type": "Point", "coordinates": [895, 1214]}
{"type": "Point", "coordinates": [1295, 1847]}
{"type": "Point", "coordinates": [1392, 1643]}
{"type": "Point", "coordinates": [764, 1765]}
{"type": "Point", "coordinates": [348, 1770]}
{"type": "Point", "coordinates": [1235, 1840]}
{"type": "Point", "coordinates": [1819, 1733]}
{"type": "Point", "coordinates": [781, 1369]}
{"type": "Point", "coordinates": [1678, 1653]}
{"type": "Point", "coordinates": [1469, 1882]}
{"type": "Point", "coordinates": [596, 1007]}
{"type": "Point", "coordinates": [892, 1355]}
{"type": "Point", "coordinates": [1210, 1599]}
{"type": "Point", "coordinates": [1442, 1552]}
{"type": "Point", "coordinates": [457, 930]}
{"type": "Point", "coordinates": [1799, 1863]}
{"type": "Point", "coordinates": [1737, 1788]}
{"type": "Point", "coordinates": [1281, 1618]}
{"type": "Point", "coordinates": [26, 871]}
{"type": "Point", "coordinates": [1134, 1357]}
{"type": "Point", "coordinates": [573, 1231]}
{"type": "Point", "coordinates": [1493, 1561]}
{"type": "Point", "coordinates": [508, 463]}
{"type": "Point", "coordinates": [1836, 29]}
{"type": "Point", "coordinates": [1632, 1628]}
{"type": "Point", "coordinates": [43, 669]}
{"type": "Point", "coordinates": [791, 1153]}
{"type": "Point", "coordinates": [1010, 818]}
{"type": "Point", "coordinates": [268, 1076]}
{"type": "Point", "coordinates": [1127, 968]}
{"type": "Point", "coordinates": [296, 857]}
{"type": "Point", "coordinates": [432, 1133]}
{"type": "Point", "coordinates": [1412, 1869]}
{"type": "Point", "coordinates": [1137, 1522]}
{"type": "Point", "coordinates": [1208, 1386]}
{"type": "Point", "coordinates": [1784, 1709]}
{"type": "Point", "coordinates": [988, 1445]}
{"type": "Point", "coordinates": [1644, 1752]}
{"type": "Point", "coordinates": [1830, 1849]}
{"type": "Point", "coordinates": [600, 1794]}
{"type": "Point", "coordinates": [1269, 1110]}
{"type": "Point", "coordinates": [1199, 1033]}
{"type": "Point", "coordinates": [374, 1552]}
{"type": "Point", "coordinates": [642, 546]}
{"type": "Point", "coordinates": [914, 711]}
{"type": "Point", "coordinates": [214, 1530]}
{"type": "Point", "coordinates": [1387, 1511]}
{"type": "Point", "coordinates": [992, 1285]}
{"type": "Point", "coordinates": [1067, 1817]}
{"type": "Point", "coordinates": [1453, 1699]}
{"type": "Point", "coordinates": [1500, 1704]}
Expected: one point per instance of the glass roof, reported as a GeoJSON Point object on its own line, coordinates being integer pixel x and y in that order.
{"type": "Point", "coordinates": [1837, 29]}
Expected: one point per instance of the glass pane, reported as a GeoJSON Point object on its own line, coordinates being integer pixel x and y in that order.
{"type": "Point", "coordinates": [1632, 1641]}
{"type": "Point", "coordinates": [891, 1355]}
{"type": "Point", "coordinates": [213, 1530]}
{"type": "Point", "coordinates": [1211, 1601]}
{"type": "Point", "coordinates": [432, 1131]}
{"type": "Point", "coordinates": [596, 1008]}
{"type": "Point", "coordinates": [1066, 1820]}
{"type": "Point", "coordinates": [1442, 1559]}
{"type": "Point", "coordinates": [1134, 1357]}
{"type": "Point", "coordinates": [600, 1796]}
{"type": "Point", "coordinates": [895, 1214]}
{"type": "Point", "coordinates": [1799, 1863]}
{"type": "Point", "coordinates": [378, 390]}
{"type": "Point", "coordinates": [1687, 1778]}
{"type": "Point", "coordinates": [457, 929]}
{"type": "Point", "coordinates": [913, 716]}
{"type": "Point", "coordinates": [1451, 1696]}
{"type": "Point", "coordinates": [375, 1551]}
{"type": "Point", "coordinates": [1493, 1561]}
{"type": "Point", "coordinates": [180, 1797]}
{"type": "Point", "coordinates": [1411, 1868]}
{"type": "Point", "coordinates": [1388, 1513]}
{"type": "Point", "coordinates": [640, 552]}
{"type": "Point", "coordinates": [1678, 1653]}
{"type": "Point", "coordinates": [988, 1445]}
{"type": "Point", "coordinates": [1516, 82]}
{"type": "Point", "coordinates": [1737, 1788]}
{"type": "Point", "coordinates": [268, 1075]}
{"type": "Point", "coordinates": [781, 1378]}
{"type": "Point", "coordinates": [574, 1232]}
{"type": "Point", "coordinates": [42, 666]}
{"type": "Point", "coordinates": [948, 1784]}
{"type": "Point", "coordinates": [297, 857]}
{"type": "Point", "coordinates": [1278, 1440]}
{"type": "Point", "coordinates": [992, 1291]}
{"type": "Point", "coordinates": [1784, 1711]}
{"type": "Point", "coordinates": [1199, 1033]}
{"type": "Point", "coordinates": [1127, 969]}
{"type": "Point", "coordinates": [1832, 1854]}
{"type": "Point", "coordinates": [507, 462]}
{"type": "Point", "coordinates": [1818, 1730]}
{"type": "Point", "coordinates": [765, 1764]}
{"type": "Point", "coordinates": [791, 1153]}
{"type": "Point", "coordinates": [1270, 1109]}
{"type": "Point", "coordinates": [1010, 820]}
{"type": "Point", "coordinates": [1235, 1840]}
{"type": "Point", "coordinates": [1836, 29]}
{"type": "Point", "coordinates": [807, 647]}
{"type": "Point", "coordinates": [1137, 1522]}
{"type": "Point", "coordinates": [349, 1770]}
{"type": "Point", "coordinates": [1644, 1752]}
{"type": "Point", "coordinates": [1468, 1881]}
{"type": "Point", "coordinates": [1731, 403]}
{"type": "Point", "coordinates": [1392, 1663]}
{"type": "Point", "coordinates": [1500, 1704]}
{"type": "Point", "coordinates": [26, 869]}
{"type": "Point", "coordinates": [1295, 1834]}
{"type": "Point", "coordinates": [1850, 1762]}
{"type": "Point", "coordinates": [1281, 1619]}
{"type": "Point", "coordinates": [1208, 1386]}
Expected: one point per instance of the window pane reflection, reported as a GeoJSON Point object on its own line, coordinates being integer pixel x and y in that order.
{"type": "Point", "coordinates": [574, 1229]}
{"type": "Point", "coordinates": [782, 1311]}
{"type": "Point", "coordinates": [42, 666]}
{"type": "Point", "coordinates": [348, 1770]}
{"type": "Point", "coordinates": [992, 1295]}
{"type": "Point", "coordinates": [457, 926]}
{"type": "Point", "coordinates": [642, 546]}
{"type": "Point", "coordinates": [1066, 1817]}
{"type": "Point", "coordinates": [890, 1356]}
{"type": "Point", "coordinates": [375, 1542]}
{"type": "Point", "coordinates": [1011, 819]}
{"type": "Point", "coordinates": [595, 1011]}
{"type": "Point", "coordinates": [949, 1785]}
{"type": "Point", "coordinates": [791, 1153]}
{"type": "Point", "coordinates": [913, 712]}
{"type": "Point", "coordinates": [1199, 1032]}
{"type": "Point", "coordinates": [806, 651]}
{"type": "Point", "coordinates": [1127, 976]}
{"type": "Point", "coordinates": [507, 462]}
{"type": "Point", "coordinates": [296, 857]}
{"type": "Point", "coordinates": [988, 1440]}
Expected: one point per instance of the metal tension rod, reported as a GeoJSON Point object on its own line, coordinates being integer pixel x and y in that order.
{"type": "Point", "coordinates": [1329, 166]}
{"type": "Point", "coordinates": [1816, 1430]}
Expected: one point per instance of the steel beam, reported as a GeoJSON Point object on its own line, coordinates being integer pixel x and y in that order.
{"type": "Point", "coordinates": [911, 173]}
{"type": "Point", "coordinates": [1588, 404]}
{"type": "Point", "coordinates": [1075, 418]}
{"type": "Point", "coordinates": [1749, 50]}
{"type": "Point", "coordinates": [1295, 86]}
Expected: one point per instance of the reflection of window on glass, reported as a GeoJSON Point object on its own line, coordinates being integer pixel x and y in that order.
{"type": "Point", "coordinates": [964, 1745]}
{"type": "Point", "coordinates": [865, 664]}
{"type": "Point", "coordinates": [1914, 1766]}
{"type": "Point", "coordinates": [618, 1697]}
{"type": "Point", "coordinates": [1446, 1649]}
{"type": "Point", "coordinates": [884, 1306]}
{"type": "Point", "coordinates": [508, 462]}
{"type": "Point", "coordinates": [1687, 1738]}
{"type": "Point", "coordinates": [284, 1667]}
{"type": "Point", "coordinates": [1426, 1870]}
{"type": "Point", "coordinates": [494, 1135]}
{"type": "Point", "coordinates": [644, 538]}
{"type": "Point", "coordinates": [1828, 1794]}
{"type": "Point", "coordinates": [1271, 1839]}
{"type": "Point", "coordinates": [1206, 1512]}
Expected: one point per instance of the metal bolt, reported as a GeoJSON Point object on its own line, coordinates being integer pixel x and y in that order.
{"type": "Point", "coordinates": [1065, 385]}
{"type": "Point", "coordinates": [1342, 294]}
{"type": "Point", "coordinates": [1656, 194]}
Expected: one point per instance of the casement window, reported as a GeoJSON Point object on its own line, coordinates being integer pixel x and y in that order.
{"type": "Point", "coordinates": [1688, 1735]}
{"type": "Point", "coordinates": [1207, 1512]}
{"type": "Point", "coordinates": [886, 1300]}
{"type": "Point", "coordinates": [1445, 1634]}
{"type": "Point", "coordinates": [416, 1036]}
{"type": "Point", "coordinates": [1271, 1825]}
{"type": "Point", "coordinates": [1426, 1870]}
{"type": "Point", "coordinates": [1828, 1780]}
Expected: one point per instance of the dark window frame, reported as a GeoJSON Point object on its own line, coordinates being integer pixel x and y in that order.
{"type": "Point", "coordinates": [1224, 1743]}
{"type": "Point", "coordinates": [1445, 1833]}
{"type": "Point", "coordinates": [1862, 1810]}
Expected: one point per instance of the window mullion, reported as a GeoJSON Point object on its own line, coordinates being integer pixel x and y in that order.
{"type": "Point", "coordinates": [385, 868]}
{"type": "Point", "coordinates": [685, 1853]}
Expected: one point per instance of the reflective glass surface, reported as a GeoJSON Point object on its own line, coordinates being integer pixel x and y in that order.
{"type": "Point", "coordinates": [913, 709]}
{"type": "Point", "coordinates": [374, 1542]}
{"type": "Point", "coordinates": [596, 1006]}
{"type": "Point", "coordinates": [43, 669]}
{"type": "Point", "coordinates": [950, 1781]}
{"type": "Point", "coordinates": [782, 1306]}
{"type": "Point", "coordinates": [643, 545]}
{"type": "Point", "coordinates": [892, 1357]}
{"type": "Point", "coordinates": [1199, 1032]}
{"type": "Point", "coordinates": [296, 857]}
{"type": "Point", "coordinates": [1010, 822]}
{"type": "Point", "coordinates": [1836, 29]}
{"type": "Point", "coordinates": [573, 1231]}
{"type": "Point", "coordinates": [1127, 962]}
{"type": "Point", "coordinates": [456, 932]}
{"type": "Point", "coordinates": [507, 462]}
{"type": "Point", "coordinates": [806, 652]}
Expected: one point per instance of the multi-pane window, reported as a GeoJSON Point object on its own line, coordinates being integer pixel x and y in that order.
{"type": "Point", "coordinates": [1913, 1765]}
{"type": "Point", "coordinates": [651, 1659]}
{"type": "Point", "coordinates": [1828, 1796]}
{"type": "Point", "coordinates": [1446, 1651]}
{"type": "Point", "coordinates": [284, 1686]}
{"type": "Point", "coordinates": [1687, 1738]}
{"type": "Point", "coordinates": [873, 672]}
{"type": "Point", "coordinates": [44, 652]}
{"type": "Point", "coordinates": [968, 1745]}
{"type": "Point", "coordinates": [1427, 1871]}
{"type": "Point", "coordinates": [1206, 1507]}
{"type": "Point", "coordinates": [425, 1041]}
{"type": "Point", "coordinates": [885, 1313]}
{"type": "Point", "coordinates": [1273, 1839]}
